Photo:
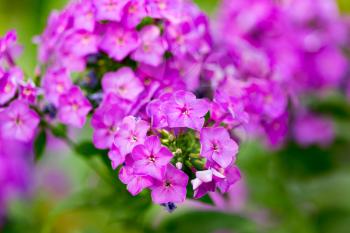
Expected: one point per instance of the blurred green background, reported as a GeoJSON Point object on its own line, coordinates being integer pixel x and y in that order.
{"type": "Point", "coordinates": [294, 190]}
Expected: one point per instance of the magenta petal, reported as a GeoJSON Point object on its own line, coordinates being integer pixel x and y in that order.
{"type": "Point", "coordinates": [176, 194]}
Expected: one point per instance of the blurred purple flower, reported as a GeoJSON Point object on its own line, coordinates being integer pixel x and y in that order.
{"type": "Point", "coordinates": [19, 122]}
{"type": "Point", "coordinates": [73, 107]}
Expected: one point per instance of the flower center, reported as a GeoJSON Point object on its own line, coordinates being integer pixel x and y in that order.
{"type": "Point", "coordinates": [167, 184]}
{"type": "Point", "coordinates": [146, 47]}
{"type": "Point", "coordinates": [152, 158]}
{"type": "Point", "coordinates": [120, 40]}
{"type": "Point", "coordinates": [132, 9]}
{"type": "Point", "coordinates": [162, 5]}
{"type": "Point", "coordinates": [112, 129]}
{"type": "Point", "coordinates": [215, 147]}
{"type": "Point", "coordinates": [111, 5]}
{"type": "Point", "coordinates": [185, 111]}
{"type": "Point", "coordinates": [75, 106]}
{"type": "Point", "coordinates": [85, 40]}
{"type": "Point", "coordinates": [8, 88]}
{"type": "Point", "coordinates": [27, 92]}
{"type": "Point", "coordinates": [122, 89]}
{"type": "Point", "coordinates": [18, 120]}
{"type": "Point", "coordinates": [59, 87]}
{"type": "Point", "coordinates": [133, 139]}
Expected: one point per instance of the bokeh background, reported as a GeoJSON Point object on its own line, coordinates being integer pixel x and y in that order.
{"type": "Point", "coordinates": [291, 190]}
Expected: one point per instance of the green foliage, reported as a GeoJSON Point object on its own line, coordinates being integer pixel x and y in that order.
{"type": "Point", "coordinates": [344, 6]}
{"type": "Point", "coordinates": [206, 222]}
{"type": "Point", "coordinates": [40, 144]}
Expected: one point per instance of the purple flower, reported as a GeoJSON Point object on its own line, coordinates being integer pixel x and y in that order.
{"type": "Point", "coordinates": [9, 49]}
{"type": "Point", "coordinates": [312, 129]}
{"type": "Point", "coordinates": [123, 83]}
{"type": "Point", "coordinates": [105, 122]}
{"type": "Point", "coordinates": [172, 188]}
{"type": "Point", "coordinates": [84, 16]}
{"type": "Point", "coordinates": [169, 9]}
{"type": "Point", "coordinates": [109, 9]}
{"type": "Point", "coordinates": [55, 83]}
{"type": "Point", "coordinates": [118, 42]}
{"type": "Point", "coordinates": [18, 121]}
{"type": "Point", "coordinates": [151, 158]}
{"type": "Point", "coordinates": [152, 47]}
{"type": "Point", "coordinates": [81, 43]}
{"type": "Point", "coordinates": [232, 175]}
{"type": "Point", "coordinates": [184, 110]}
{"type": "Point", "coordinates": [115, 156]}
{"type": "Point", "coordinates": [8, 87]}
{"type": "Point", "coordinates": [135, 183]}
{"type": "Point", "coordinates": [134, 12]}
{"type": "Point", "coordinates": [154, 111]}
{"type": "Point", "coordinates": [15, 172]}
{"type": "Point", "coordinates": [276, 129]}
{"type": "Point", "coordinates": [216, 145]}
{"type": "Point", "coordinates": [28, 91]}
{"type": "Point", "coordinates": [132, 132]}
{"type": "Point", "coordinates": [73, 107]}
{"type": "Point", "coordinates": [205, 182]}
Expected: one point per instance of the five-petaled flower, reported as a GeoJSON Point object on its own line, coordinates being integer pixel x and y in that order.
{"type": "Point", "coordinates": [151, 158]}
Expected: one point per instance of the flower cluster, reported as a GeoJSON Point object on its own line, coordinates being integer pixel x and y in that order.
{"type": "Point", "coordinates": [170, 145]}
{"type": "Point", "coordinates": [121, 51]}
{"type": "Point", "coordinates": [18, 120]}
{"type": "Point", "coordinates": [165, 100]}
{"type": "Point", "coordinates": [18, 123]}
{"type": "Point", "coordinates": [277, 51]}
{"type": "Point", "coordinates": [133, 65]}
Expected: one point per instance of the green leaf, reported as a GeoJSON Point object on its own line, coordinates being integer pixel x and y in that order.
{"type": "Point", "coordinates": [59, 131]}
{"type": "Point", "coordinates": [206, 222]}
{"type": "Point", "coordinates": [39, 145]}
{"type": "Point", "coordinates": [87, 149]}
{"type": "Point", "coordinates": [344, 6]}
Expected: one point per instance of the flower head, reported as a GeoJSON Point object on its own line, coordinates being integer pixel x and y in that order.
{"type": "Point", "coordinates": [18, 121]}
{"type": "Point", "coordinates": [109, 9]}
{"type": "Point", "coordinates": [152, 47]}
{"type": "Point", "coordinates": [132, 132]}
{"type": "Point", "coordinates": [105, 122]}
{"type": "Point", "coordinates": [217, 146]}
{"type": "Point", "coordinates": [172, 188]}
{"type": "Point", "coordinates": [73, 107]}
{"type": "Point", "coordinates": [55, 83]}
{"type": "Point", "coordinates": [135, 183]}
{"type": "Point", "coordinates": [28, 91]}
{"type": "Point", "coordinates": [118, 41]}
{"type": "Point", "coordinates": [122, 83]}
{"type": "Point", "coordinates": [184, 110]}
{"type": "Point", "coordinates": [151, 158]}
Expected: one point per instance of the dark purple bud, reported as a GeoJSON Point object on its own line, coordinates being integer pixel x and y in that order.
{"type": "Point", "coordinates": [50, 110]}
{"type": "Point", "coordinates": [170, 207]}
